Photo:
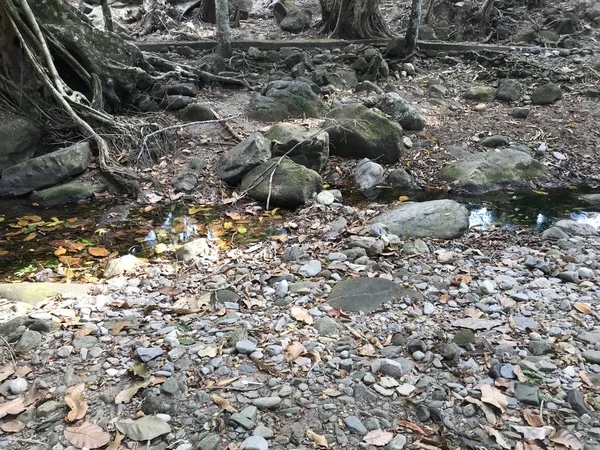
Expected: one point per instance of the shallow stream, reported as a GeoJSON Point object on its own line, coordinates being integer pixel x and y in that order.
{"type": "Point", "coordinates": [73, 240]}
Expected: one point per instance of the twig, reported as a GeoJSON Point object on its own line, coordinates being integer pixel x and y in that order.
{"type": "Point", "coordinates": [173, 127]}
{"type": "Point", "coordinates": [29, 441]}
{"type": "Point", "coordinates": [228, 127]}
{"type": "Point", "coordinates": [10, 352]}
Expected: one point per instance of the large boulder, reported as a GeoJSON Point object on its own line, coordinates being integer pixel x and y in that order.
{"type": "Point", "coordinates": [367, 294]}
{"type": "Point", "coordinates": [70, 192]}
{"type": "Point", "coordinates": [282, 100]}
{"type": "Point", "coordinates": [309, 148]}
{"type": "Point", "coordinates": [444, 219]}
{"type": "Point", "coordinates": [46, 170]}
{"type": "Point", "coordinates": [19, 139]}
{"type": "Point", "coordinates": [290, 17]}
{"type": "Point", "coordinates": [358, 132]}
{"type": "Point", "coordinates": [493, 170]}
{"type": "Point", "coordinates": [403, 113]}
{"type": "Point", "coordinates": [290, 186]}
{"type": "Point", "coordinates": [242, 158]}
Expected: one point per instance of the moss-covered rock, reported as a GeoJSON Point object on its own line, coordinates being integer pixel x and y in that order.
{"type": "Point", "coordinates": [282, 100]}
{"type": "Point", "coordinates": [481, 93]}
{"type": "Point", "coordinates": [358, 132]}
{"type": "Point", "coordinates": [19, 139]}
{"type": "Point", "coordinates": [70, 192]}
{"type": "Point", "coordinates": [493, 170]}
{"type": "Point", "coordinates": [309, 148]}
{"type": "Point", "coordinates": [291, 185]}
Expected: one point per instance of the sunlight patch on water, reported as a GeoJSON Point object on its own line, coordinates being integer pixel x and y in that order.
{"type": "Point", "coordinates": [481, 218]}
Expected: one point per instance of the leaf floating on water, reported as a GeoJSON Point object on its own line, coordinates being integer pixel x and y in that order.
{"type": "Point", "coordinates": [378, 438]}
{"type": "Point", "coordinates": [318, 439]}
{"type": "Point", "coordinates": [223, 403]}
{"type": "Point", "coordinates": [87, 435]}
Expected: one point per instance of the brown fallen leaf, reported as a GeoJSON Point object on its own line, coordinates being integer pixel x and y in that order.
{"type": "Point", "coordinates": [301, 315]}
{"type": "Point", "coordinates": [12, 426]}
{"type": "Point", "coordinates": [533, 418]}
{"type": "Point", "coordinates": [534, 433]}
{"type": "Point", "coordinates": [294, 350]}
{"type": "Point", "coordinates": [583, 308]}
{"type": "Point", "coordinates": [116, 442]}
{"type": "Point", "coordinates": [332, 392]}
{"type": "Point", "coordinates": [118, 327]}
{"type": "Point", "coordinates": [566, 438]}
{"type": "Point", "coordinates": [493, 396]}
{"type": "Point", "coordinates": [498, 436]}
{"type": "Point", "coordinates": [366, 350]}
{"type": "Point", "coordinates": [378, 438]}
{"type": "Point", "coordinates": [519, 373]}
{"type": "Point", "coordinates": [87, 435]}
{"type": "Point", "coordinates": [19, 404]}
{"type": "Point", "coordinates": [83, 332]}
{"type": "Point", "coordinates": [98, 251]}
{"type": "Point", "coordinates": [208, 351]}
{"type": "Point", "coordinates": [127, 394]}
{"type": "Point", "coordinates": [457, 280]}
{"type": "Point", "coordinates": [584, 377]}
{"type": "Point", "coordinates": [223, 403]}
{"type": "Point", "coordinates": [412, 426]}
{"type": "Point", "coordinates": [6, 371]}
{"type": "Point", "coordinates": [75, 400]}
{"type": "Point", "coordinates": [319, 440]}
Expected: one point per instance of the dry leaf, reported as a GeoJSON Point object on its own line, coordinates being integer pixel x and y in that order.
{"type": "Point", "coordinates": [223, 403]}
{"type": "Point", "coordinates": [60, 251]}
{"type": "Point", "coordinates": [534, 433]}
{"type": "Point", "coordinates": [318, 439]}
{"type": "Point", "coordinates": [493, 396]}
{"type": "Point", "coordinates": [566, 438]}
{"type": "Point", "coordinates": [127, 394]}
{"type": "Point", "coordinates": [315, 355]}
{"type": "Point", "coordinates": [87, 435]}
{"type": "Point", "coordinates": [583, 308]}
{"type": "Point", "coordinates": [412, 426]}
{"type": "Point", "coordinates": [294, 350]}
{"type": "Point", "coordinates": [6, 371]}
{"type": "Point", "coordinates": [332, 392]}
{"type": "Point", "coordinates": [208, 351]}
{"type": "Point", "coordinates": [19, 404]}
{"type": "Point", "coordinates": [12, 426]}
{"type": "Point", "coordinates": [75, 400]}
{"type": "Point", "coordinates": [456, 280]}
{"type": "Point", "coordinates": [116, 443]}
{"type": "Point", "coordinates": [98, 251]}
{"type": "Point", "coordinates": [583, 375]}
{"type": "Point", "coordinates": [83, 332]}
{"type": "Point", "coordinates": [519, 373]}
{"type": "Point", "coordinates": [497, 435]}
{"type": "Point", "coordinates": [118, 327]}
{"type": "Point", "coordinates": [301, 315]}
{"type": "Point", "coordinates": [366, 350]}
{"type": "Point", "coordinates": [533, 418]}
{"type": "Point", "coordinates": [378, 438]}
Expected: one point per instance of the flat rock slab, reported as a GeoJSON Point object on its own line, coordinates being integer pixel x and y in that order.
{"type": "Point", "coordinates": [34, 293]}
{"type": "Point", "coordinates": [444, 219]}
{"type": "Point", "coordinates": [366, 294]}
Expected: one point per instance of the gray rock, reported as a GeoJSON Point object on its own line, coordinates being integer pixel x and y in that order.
{"type": "Point", "coordinates": [397, 443]}
{"type": "Point", "coordinates": [290, 17]}
{"type": "Point", "coordinates": [396, 368]}
{"type": "Point", "coordinates": [496, 140]}
{"type": "Point", "coordinates": [368, 175]}
{"type": "Point", "coordinates": [282, 100]}
{"type": "Point", "coordinates": [527, 393]}
{"type": "Point", "coordinates": [19, 139]}
{"type": "Point", "coordinates": [255, 443]}
{"type": "Point", "coordinates": [356, 425]}
{"type": "Point", "coordinates": [325, 198]}
{"type": "Point", "coordinates": [546, 94]}
{"type": "Point", "coordinates": [554, 234]}
{"type": "Point", "coordinates": [292, 184]}
{"type": "Point", "coordinates": [310, 269]}
{"type": "Point", "coordinates": [509, 90]}
{"type": "Point", "coordinates": [592, 356]}
{"type": "Point", "coordinates": [69, 192]}
{"type": "Point", "coordinates": [573, 228]}
{"type": "Point", "coordinates": [148, 353]}
{"type": "Point", "coordinates": [85, 342]}
{"type": "Point", "coordinates": [417, 247]}
{"type": "Point", "coordinates": [189, 251]}
{"type": "Point", "coordinates": [242, 158]}
{"type": "Point", "coordinates": [401, 111]}
{"type": "Point", "coordinates": [366, 294]}
{"type": "Point", "coordinates": [358, 132]}
{"type": "Point", "coordinates": [29, 341]}
{"type": "Point", "coordinates": [400, 179]}
{"type": "Point", "coordinates": [242, 421]}
{"type": "Point", "coordinates": [143, 429]}
{"type": "Point", "coordinates": [263, 431]}
{"type": "Point", "coordinates": [444, 219]}
{"type": "Point", "coordinates": [372, 245]}
{"type": "Point", "coordinates": [122, 265]}
{"type": "Point", "coordinates": [326, 326]}
{"type": "Point", "coordinates": [210, 442]}
{"type": "Point", "coordinates": [493, 170]}
{"type": "Point", "coordinates": [520, 112]}
{"type": "Point", "coordinates": [196, 112]}
{"type": "Point", "coordinates": [188, 89]}
{"type": "Point", "coordinates": [245, 346]}
{"type": "Point", "coordinates": [185, 182]}
{"type": "Point", "coordinates": [577, 402]}
{"type": "Point", "coordinates": [481, 93]}
{"type": "Point", "coordinates": [266, 402]}
{"type": "Point", "coordinates": [170, 387]}
{"type": "Point", "coordinates": [16, 386]}
{"type": "Point", "coordinates": [45, 170]}
{"type": "Point", "coordinates": [309, 148]}
{"type": "Point", "coordinates": [212, 63]}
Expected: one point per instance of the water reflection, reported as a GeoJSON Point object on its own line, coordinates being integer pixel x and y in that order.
{"type": "Point", "coordinates": [481, 218]}
{"type": "Point", "coordinates": [591, 218]}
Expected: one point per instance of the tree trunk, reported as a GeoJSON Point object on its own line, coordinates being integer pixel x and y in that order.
{"type": "Point", "coordinates": [353, 19]}
{"type": "Point", "coordinates": [223, 30]}
{"type": "Point", "coordinates": [412, 33]}
{"type": "Point", "coordinates": [485, 13]}
{"type": "Point", "coordinates": [208, 12]}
